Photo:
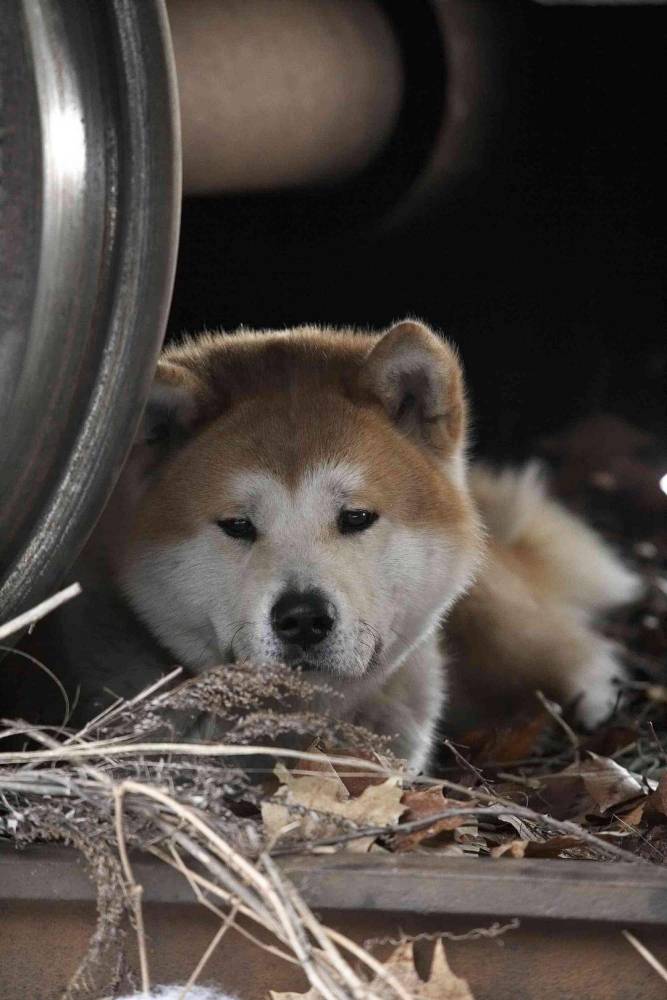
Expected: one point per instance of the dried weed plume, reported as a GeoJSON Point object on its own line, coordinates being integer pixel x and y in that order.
{"type": "Point", "coordinates": [128, 781]}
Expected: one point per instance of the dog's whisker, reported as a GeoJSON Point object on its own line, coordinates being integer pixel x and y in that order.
{"type": "Point", "coordinates": [240, 627]}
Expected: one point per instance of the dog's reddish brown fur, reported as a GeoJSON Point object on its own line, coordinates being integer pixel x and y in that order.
{"type": "Point", "coordinates": [292, 401]}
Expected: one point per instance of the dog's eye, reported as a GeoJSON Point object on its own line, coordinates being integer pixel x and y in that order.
{"type": "Point", "coordinates": [239, 527]}
{"type": "Point", "coordinates": [355, 520]}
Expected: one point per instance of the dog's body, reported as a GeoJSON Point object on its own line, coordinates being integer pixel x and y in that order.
{"type": "Point", "coordinates": [303, 497]}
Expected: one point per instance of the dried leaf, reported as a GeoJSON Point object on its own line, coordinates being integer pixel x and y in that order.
{"type": "Point", "coordinates": [552, 847]}
{"type": "Point", "coordinates": [506, 745]}
{"type": "Point", "coordinates": [657, 801]}
{"type": "Point", "coordinates": [607, 783]}
{"type": "Point", "coordinates": [442, 984]}
{"type": "Point", "coordinates": [378, 805]}
{"type": "Point", "coordinates": [423, 802]}
{"type": "Point", "coordinates": [514, 848]}
{"type": "Point", "coordinates": [401, 964]}
{"type": "Point", "coordinates": [590, 786]}
{"type": "Point", "coordinates": [610, 739]}
{"type": "Point", "coordinates": [357, 782]}
{"type": "Point", "coordinates": [563, 796]}
{"type": "Point", "coordinates": [323, 783]}
{"type": "Point", "coordinates": [634, 817]}
{"type": "Point", "coordinates": [468, 833]}
{"type": "Point", "coordinates": [324, 792]}
{"type": "Point", "coordinates": [354, 781]}
{"type": "Point", "coordinates": [277, 821]}
{"type": "Point", "coordinates": [650, 844]}
{"type": "Point", "coordinates": [522, 828]}
{"type": "Point", "coordinates": [420, 805]}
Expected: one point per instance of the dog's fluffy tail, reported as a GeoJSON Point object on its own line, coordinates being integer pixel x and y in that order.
{"type": "Point", "coordinates": [571, 560]}
{"type": "Point", "coordinates": [527, 623]}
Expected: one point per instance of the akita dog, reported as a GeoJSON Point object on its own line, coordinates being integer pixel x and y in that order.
{"type": "Point", "coordinates": [303, 497]}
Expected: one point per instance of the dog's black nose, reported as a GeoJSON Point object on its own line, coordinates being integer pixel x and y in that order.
{"type": "Point", "coordinates": [302, 619]}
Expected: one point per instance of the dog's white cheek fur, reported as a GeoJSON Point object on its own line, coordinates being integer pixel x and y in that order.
{"type": "Point", "coordinates": [179, 590]}
{"type": "Point", "coordinates": [423, 571]}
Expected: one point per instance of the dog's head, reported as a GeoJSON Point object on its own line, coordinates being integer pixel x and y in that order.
{"type": "Point", "coordinates": [300, 497]}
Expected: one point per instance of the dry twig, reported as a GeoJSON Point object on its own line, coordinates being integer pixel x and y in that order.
{"type": "Point", "coordinates": [39, 611]}
{"type": "Point", "coordinates": [647, 955]}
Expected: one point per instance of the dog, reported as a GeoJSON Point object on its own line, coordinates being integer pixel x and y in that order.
{"type": "Point", "coordinates": [304, 497]}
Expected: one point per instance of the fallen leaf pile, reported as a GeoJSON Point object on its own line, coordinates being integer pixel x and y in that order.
{"type": "Point", "coordinates": [587, 809]}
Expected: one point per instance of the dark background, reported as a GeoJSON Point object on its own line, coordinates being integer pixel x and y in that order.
{"type": "Point", "coordinates": [547, 266]}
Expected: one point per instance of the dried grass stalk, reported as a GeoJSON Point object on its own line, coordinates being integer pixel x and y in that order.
{"type": "Point", "coordinates": [121, 784]}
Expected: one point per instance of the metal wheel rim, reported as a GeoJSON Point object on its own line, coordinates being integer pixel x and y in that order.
{"type": "Point", "coordinates": [89, 212]}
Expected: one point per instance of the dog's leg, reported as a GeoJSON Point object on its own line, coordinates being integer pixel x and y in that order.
{"type": "Point", "coordinates": [408, 706]}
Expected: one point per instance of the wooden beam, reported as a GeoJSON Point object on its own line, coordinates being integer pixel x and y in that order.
{"type": "Point", "coordinates": [612, 893]}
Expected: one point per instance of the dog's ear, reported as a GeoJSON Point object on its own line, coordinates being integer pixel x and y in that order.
{"type": "Point", "coordinates": [176, 406]}
{"type": "Point", "coordinates": [417, 378]}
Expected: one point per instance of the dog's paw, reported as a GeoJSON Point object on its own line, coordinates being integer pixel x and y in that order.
{"type": "Point", "coordinates": [598, 685]}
